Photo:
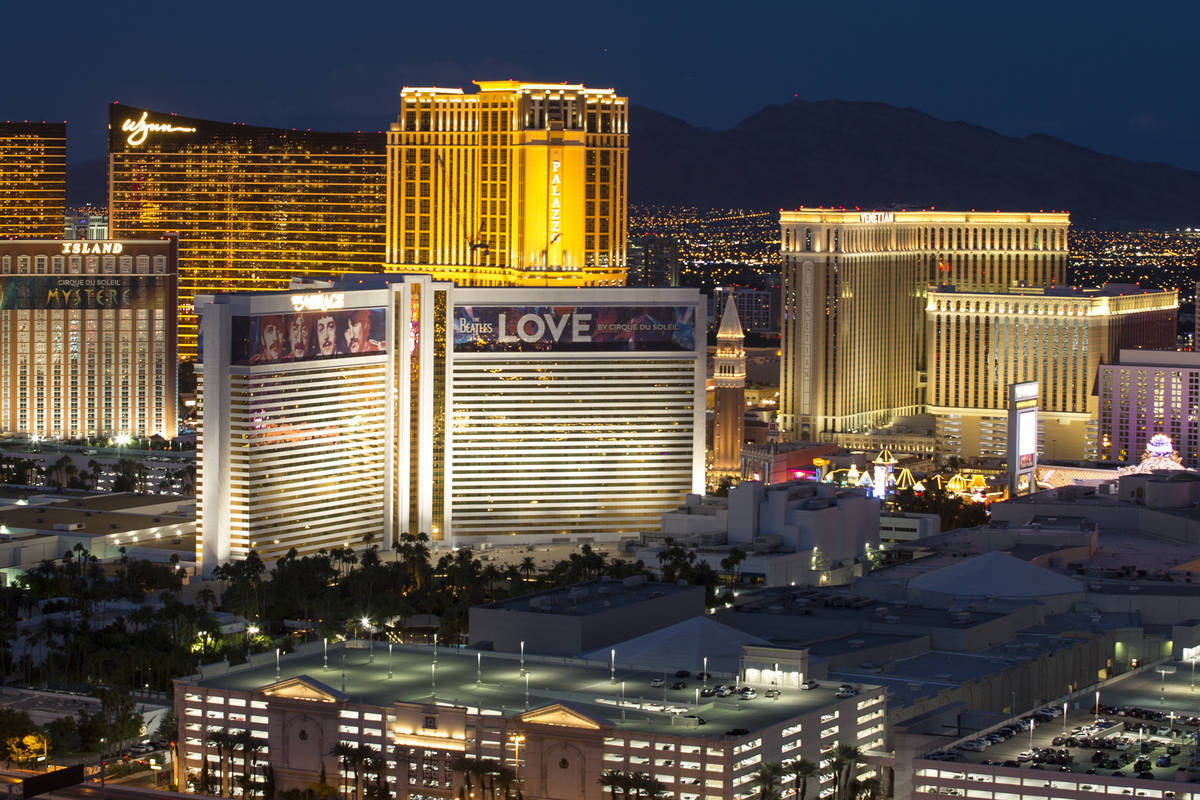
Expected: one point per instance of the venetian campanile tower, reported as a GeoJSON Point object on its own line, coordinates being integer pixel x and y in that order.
{"type": "Point", "coordinates": [729, 401]}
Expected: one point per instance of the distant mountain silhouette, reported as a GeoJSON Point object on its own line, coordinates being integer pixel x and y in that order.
{"type": "Point", "coordinates": [874, 155]}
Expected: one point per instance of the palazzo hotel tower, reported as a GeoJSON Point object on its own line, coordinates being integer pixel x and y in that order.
{"type": "Point", "coordinates": [872, 333]}
{"type": "Point", "coordinates": [518, 184]}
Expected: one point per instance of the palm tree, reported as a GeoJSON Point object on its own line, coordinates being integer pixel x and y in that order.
{"type": "Point", "coordinates": [250, 746]}
{"type": "Point", "coordinates": [345, 753]}
{"type": "Point", "coordinates": [528, 566]}
{"type": "Point", "coordinates": [223, 743]}
{"type": "Point", "coordinates": [868, 789]}
{"type": "Point", "coordinates": [801, 769]}
{"type": "Point", "coordinates": [846, 758]}
{"type": "Point", "coordinates": [614, 780]}
{"type": "Point", "coordinates": [767, 781]}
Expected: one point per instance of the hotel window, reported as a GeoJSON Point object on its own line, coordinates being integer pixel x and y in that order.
{"type": "Point", "coordinates": [40, 265]}
{"type": "Point", "coordinates": [22, 265]}
{"type": "Point", "coordinates": [6, 265]}
{"type": "Point", "coordinates": [110, 265]}
{"type": "Point", "coordinates": [56, 265]}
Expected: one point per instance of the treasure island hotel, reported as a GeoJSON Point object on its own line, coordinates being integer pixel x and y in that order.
{"type": "Point", "coordinates": [889, 314]}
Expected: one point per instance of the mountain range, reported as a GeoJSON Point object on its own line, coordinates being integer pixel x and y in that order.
{"type": "Point", "coordinates": [835, 153]}
{"type": "Point", "coordinates": [871, 155]}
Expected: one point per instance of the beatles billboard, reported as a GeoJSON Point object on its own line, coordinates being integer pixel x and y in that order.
{"type": "Point", "coordinates": [307, 336]}
{"type": "Point", "coordinates": [490, 329]}
{"type": "Point", "coordinates": [86, 292]}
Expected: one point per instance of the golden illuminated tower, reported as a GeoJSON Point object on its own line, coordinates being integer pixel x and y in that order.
{"type": "Point", "coordinates": [33, 170]}
{"type": "Point", "coordinates": [253, 207]}
{"type": "Point", "coordinates": [729, 387]}
{"type": "Point", "coordinates": [854, 289]}
{"type": "Point", "coordinates": [518, 184]}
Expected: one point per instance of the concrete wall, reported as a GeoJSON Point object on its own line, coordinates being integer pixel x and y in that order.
{"type": "Point", "coordinates": [562, 634]}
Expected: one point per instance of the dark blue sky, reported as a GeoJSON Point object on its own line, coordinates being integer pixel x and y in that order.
{"type": "Point", "coordinates": [1114, 77]}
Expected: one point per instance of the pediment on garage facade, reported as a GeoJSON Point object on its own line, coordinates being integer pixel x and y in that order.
{"type": "Point", "coordinates": [564, 715]}
{"type": "Point", "coordinates": [302, 687]}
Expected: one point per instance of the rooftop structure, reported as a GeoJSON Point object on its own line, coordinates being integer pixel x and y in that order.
{"type": "Point", "coordinates": [571, 620]}
{"type": "Point", "coordinates": [558, 723]}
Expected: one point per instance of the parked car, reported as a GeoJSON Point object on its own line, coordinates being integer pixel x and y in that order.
{"type": "Point", "coordinates": [682, 673]}
{"type": "Point", "coordinates": [748, 693]}
{"type": "Point", "coordinates": [679, 685]}
{"type": "Point", "coordinates": [773, 693]}
{"type": "Point", "coordinates": [657, 683]}
{"type": "Point", "coordinates": [842, 694]}
{"type": "Point", "coordinates": [810, 684]}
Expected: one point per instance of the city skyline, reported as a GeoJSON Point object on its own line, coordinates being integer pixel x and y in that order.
{"type": "Point", "coordinates": [1104, 81]}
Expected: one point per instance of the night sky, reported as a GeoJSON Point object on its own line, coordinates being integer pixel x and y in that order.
{"type": "Point", "coordinates": [1114, 77]}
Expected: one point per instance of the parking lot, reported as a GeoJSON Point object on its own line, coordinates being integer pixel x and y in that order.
{"type": "Point", "coordinates": [1130, 739]}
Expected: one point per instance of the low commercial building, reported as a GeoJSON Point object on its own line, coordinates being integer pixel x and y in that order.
{"type": "Point", "coordinates": [797, 532]}
{"type": "Point", "coordinates": [574, 619]}
{"type": "Point", "coordinates": [558, 725]}
{"type": "Point", "coordinates": [152, 527]}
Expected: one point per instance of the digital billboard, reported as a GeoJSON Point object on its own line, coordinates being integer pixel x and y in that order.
{"type": "Point", "coordinates": [287, 338]}
{"type": "Point", "coordinates": [486, 329]}
{"type": "Point", "coordinates": [1026, 438]}
{"type": "Point", "coordinates": [86, 292]}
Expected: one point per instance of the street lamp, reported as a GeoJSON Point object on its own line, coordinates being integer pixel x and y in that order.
{"type": "Point", "coordinates": [516, 740]}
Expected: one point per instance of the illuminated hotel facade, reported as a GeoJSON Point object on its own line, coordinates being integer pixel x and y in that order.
{"type": "Point", "coordinates": [980, 343]}
{"type": "Point", "coordinates": [253, 206]}
{"type": "Point", "coordinates": [87, 338]}
{"type": "Point", "coordinates": [518, 184]}
{"type": "Point", "coordinates": [854, 298]}
{"type": "Point", "coordinates": [468, 414]}
{"type": "Point", "coordinates": [33, 185]}
{"type": "Point", "coordinates": [1146, 393]}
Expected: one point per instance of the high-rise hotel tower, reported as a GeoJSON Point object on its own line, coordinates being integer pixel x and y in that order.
{"type": "Point", "coordinates": [518, 184]}
{"type": "Point", "coordinates": [376, 405]}
{"type": "Point", "coordinates": [33, 172]}
{"type": "Point", "coordinates": [854, 299]}
{"type": "Point", "coordinates": [253, 206]}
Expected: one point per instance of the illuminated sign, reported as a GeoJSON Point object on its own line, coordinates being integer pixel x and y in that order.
{"type": "Point", "coordinates": [874, 217]}
{"type": "Point", "coordinates": [555, 200]}
{"type": "Point", "coordinates": [318, 302]}
{"type": "Point", "coordinates": [1026, 438]}
{"type": "Point", "coordinates": [42, 292]}
{"type": "Point", "coordinates": [89, 248]}
{"type": "Point", "coordinates": [1025, 391]}
{"type": "Point", "coordinates": [597, 328]}
{"type": "Point", "coordinates": [307, 335]}
{"type": "Point", "coordinates": [138, 130]}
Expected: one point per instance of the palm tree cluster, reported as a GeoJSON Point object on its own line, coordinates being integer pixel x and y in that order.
{"type": "Point", "coordinates": [632, 785]}
{"type": "Point", "coordinates": [74, 645]}
{"type": "Point", "coordinates": [228, 744]}
{"type": "Point", "coordinates": [339, 587]}
{"type": "Point", "coordinates": [845, 762]}
{"type": "Point", "coordinates": [493, 780]}
{"type": "Point", "coordinates": [368, 767]}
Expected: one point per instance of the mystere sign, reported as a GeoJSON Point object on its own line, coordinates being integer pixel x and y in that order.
{"type": "Point", "coordinates": [42, 292]}
{"type": "Point", "coordinates": [482, 329]}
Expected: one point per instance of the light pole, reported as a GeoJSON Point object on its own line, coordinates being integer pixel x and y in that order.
{"type": "Point", "coordinates": [1193, 674]}
{"type": "Point", "coordinates": [516, 740]}
{"type": "Point", "coordinates": [478, 668]}
{"type": "Point", "coordinates": [522, 656]}
{"type": "Point", "coordinates": [612, 665]}
{"type": "Point", "coordinates": [1097, 705]}
{"type": "Point", "coordinates": [706, 672]}
{"type": "Point", "coordinates": [389, 659]}
{"type": "Point", "coordinates": [526, 691]}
